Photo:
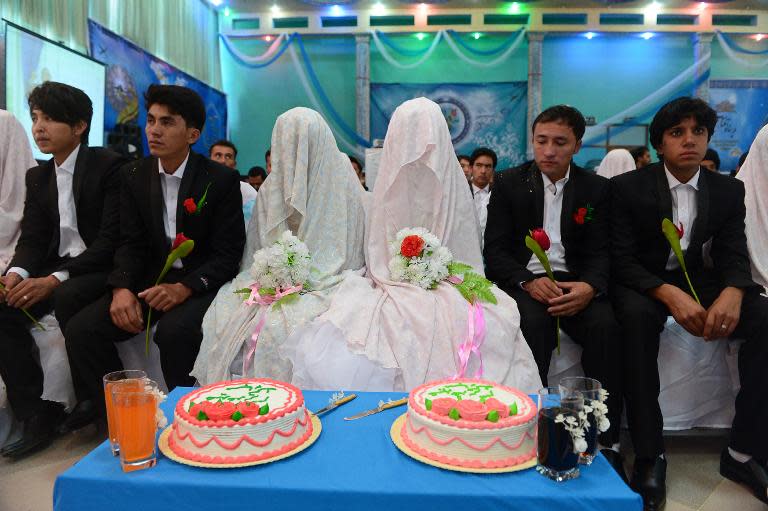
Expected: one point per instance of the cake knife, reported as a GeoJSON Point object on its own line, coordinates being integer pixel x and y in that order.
{"type": "Point", "coordinates": [382, 406]}
{"type": "Point", "coordinates": [334, 404]}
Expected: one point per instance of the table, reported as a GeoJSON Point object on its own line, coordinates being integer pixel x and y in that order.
{"type": "Point", "coordinates": [353, 465]}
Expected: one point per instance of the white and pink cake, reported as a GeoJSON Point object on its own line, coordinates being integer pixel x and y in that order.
{"type": "Point", "coordinates": [240, 421]}
{"type": "Point", "coordinates": [471, 423]}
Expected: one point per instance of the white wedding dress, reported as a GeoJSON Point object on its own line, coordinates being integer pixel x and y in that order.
{"type": "Point", "coordinates": [754, 173]}
{"type": "Point", "coordinates": [313, 192]}
{"type": "Point", "coordinates": [382, 335]}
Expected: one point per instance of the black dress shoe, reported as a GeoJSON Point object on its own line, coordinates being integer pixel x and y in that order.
{"type": "Point", "coordinates": [39, 431]}
{"type": "Point", "coordinates": [617, 462]}
{"type": "Point", "coordinates": [750, 473]}
{"type": "Point", "coordinates": [84, 413]}
{"type": "Point", "coordinates": [649, 480]}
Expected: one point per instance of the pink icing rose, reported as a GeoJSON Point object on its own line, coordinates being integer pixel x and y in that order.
{"type": "Point", "coordinates": [219, 411]}
{"type": "Point", "coordinates": [248, 409]}
{"type": "Point", "coordinates": [471, 410]}
{"type": "Point", "coordinates": [195, 409]}
{"type": "Point", "coordinates": [443, 405]}
{"type": "Point", "coordinates": [494, 404]}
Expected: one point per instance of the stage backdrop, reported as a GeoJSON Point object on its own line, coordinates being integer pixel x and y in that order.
{"type": "Point", "coordinates": [130, 71]}
{"type": "Point", "coordinates": [478, 114]}
{"type": "Point", "coordinates": [742, 109]}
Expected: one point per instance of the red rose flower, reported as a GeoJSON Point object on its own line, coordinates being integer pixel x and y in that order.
{"type": "Point", "coordinates": [471, 410]}
{"type": "Point", "coordinates": [540, 237]}
{"type": "Point", "coordinates": [680, 230]}
{"type": "Point", "coordinates": [219, 411]}
{"type": "Point", "coordinates": [412, 246]}
{"type": "Point", "coordinates": [443, 405]}
{"type": "Point", "coordinates": [180, 238]}
{"type": "Point", "coordinates": [248, 409]}
{"type": "Point", "coordinates": [190, 206]}
{"type": "Point", "coordinates": [494, 404]}
{"type": "Point", "coordinates": [579, 219]}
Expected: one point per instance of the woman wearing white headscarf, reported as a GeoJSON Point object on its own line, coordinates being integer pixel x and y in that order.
{"type": "Point", "coordinates": [754, 173]}
{"type": "Point", "coordinates": [15, 160]}
{"type": "Point", "coordinates": [313, 192]}
{"type": "Point", "coordinates": [617, 161]}
{"type": "Point", "coordinates": [381, 334]}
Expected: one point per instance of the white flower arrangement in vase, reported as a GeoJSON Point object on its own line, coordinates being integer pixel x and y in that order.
{"type": "Point", "coordinates": [577, 427]}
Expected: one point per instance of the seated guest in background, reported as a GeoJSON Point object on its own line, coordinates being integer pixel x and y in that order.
{"type": "Point", "coordinates": [15, 159]}
{"type": "Point", "coordinates": [224, 152]}
{"type": "Point", "coordinates": [65, 250]}
{"type": "Point", "coordinates": [616, 162]}
{"type": "Point", "coordinates": [483, 164]}
{"type": "Point", "coordinates": [152, 214]}
{"type": "Point", "coordinates": [711, 160]}
{"type": "Point", "coordinates": [571, 205]}
{"type": "Point", "coordinates": [268, 160]}
{"type": "Point", "coordinates": [256, 177]}
{"type": "Point", "coordinates": [642, 156]}
{"type": "Point", "coordinates": [650, 285]}
{"type": "Point", "coordinates": [754, 174]}
{"type": "Point", "coordinates": [358, 170]}
{"type": "Point", "coordinates": [740, 163]}
{"type": "Point", "coordinates": [465, 166]}
{"type": "Point", "coordinates": [314, 193]}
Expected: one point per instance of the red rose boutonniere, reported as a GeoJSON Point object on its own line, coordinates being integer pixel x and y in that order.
{"type": "Point", "coordinates": [194, 208]}
{"type": "Point", "coordinates": [583, 215]}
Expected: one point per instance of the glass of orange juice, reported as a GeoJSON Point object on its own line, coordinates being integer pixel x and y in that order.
{"type": "Point", "coordinates": [109, 379]}
{"type": "Point", "coordinates": [134, 409]}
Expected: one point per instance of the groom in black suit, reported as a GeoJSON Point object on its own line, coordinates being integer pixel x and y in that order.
{"type": "Point", "coordinates": [65, 250]}
{"type": "Point", "coordinates": [161, 197]}
{"type": "Point", "coordinates": [650, 285]}
{"type": "Point", "coordinates": [571, 205]}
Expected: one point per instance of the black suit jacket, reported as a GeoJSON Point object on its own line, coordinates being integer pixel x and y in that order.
{"type": "Point", "coordinates": [517, 206]}
{"type": "Point", "coordinates": [218, 230]}
{"type": "Point", "coordinates": [641, 199]}
{"type": "Point", "coordinates": [96, 191]}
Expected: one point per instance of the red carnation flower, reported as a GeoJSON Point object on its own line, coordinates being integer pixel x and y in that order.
{"type": "Point", "coordinates": [412, 246]}
{"type": "Point", "coordinates": [540, 237]}
{"type": "Point", "coordinates": [190, 206]}
{"type": "Point", "coordinates": [180, 238]}
{"type": "Point", "coordinates": [680, 230]}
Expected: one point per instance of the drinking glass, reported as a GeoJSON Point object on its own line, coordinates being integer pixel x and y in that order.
{"type": "Point", "coordinates": [109, 379]}
{"type": "Point", "coordinates": [135, 407]}
{"type": "Point", "coordinates": [590, 389]}
{"type": "Point", "coordinates": [557, 459]}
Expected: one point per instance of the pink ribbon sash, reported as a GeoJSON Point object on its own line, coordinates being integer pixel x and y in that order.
{"type": "Point", "coordinates": [264, 302]}
{"type": "Point", "coordinates": [473, 340]}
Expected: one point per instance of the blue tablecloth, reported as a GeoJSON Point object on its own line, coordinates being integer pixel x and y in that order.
{"type": "Point", "coordinates": [353, 465]}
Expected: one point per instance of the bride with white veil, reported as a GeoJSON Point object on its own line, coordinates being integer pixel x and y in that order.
{"type": "Point", "coordinates": [381, 334]}
{"type": "Point", "coordinates": [313, 192]}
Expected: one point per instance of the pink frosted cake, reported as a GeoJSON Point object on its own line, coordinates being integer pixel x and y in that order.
{"type": "Point", "coordinates": [239, 421]}
{"type": "Point", "coordinates": [470, 423]}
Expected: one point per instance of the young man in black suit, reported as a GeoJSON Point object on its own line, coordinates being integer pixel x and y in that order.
{"type": "Point", "coordinates": [65, 250]}
{"type": "Point", "coordinates": [571, 205]}
{"type": "Point", "coordinates": [152, 213]}
{"type": "Point", "coordinates": [649, 285]}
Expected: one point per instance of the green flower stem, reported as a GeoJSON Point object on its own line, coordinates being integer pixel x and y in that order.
{"type": "Point", "coordinates": [691, 287]}
{"type": "Point", "coordinates": [558, 335]}
{"type": "Point", "coordinates": [27, 314]}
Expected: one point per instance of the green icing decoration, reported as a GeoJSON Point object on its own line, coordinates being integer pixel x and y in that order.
{"type": "Point", "coordinates": [493, 416]}
{"type": "Point", "coordinates": [513, 408]}
{"type": "Point", "coordinates": [201, 416]}
{"type": "Point", "coordinates": [191, 404]}
{"type": "Point", "coordinates": [463, 390]}
{"type": "Point", "coordinates": [264, 409]}
{"type": "Point", "coordinates": [454, 414]}
{"type": "Point", "coordinates": [428, 404]}
{"type": "Point", "coordinates": [237, 416]}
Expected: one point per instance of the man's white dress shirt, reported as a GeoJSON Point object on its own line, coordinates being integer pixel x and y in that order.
{"type": "Point", "coordinates": [553, 207]}
{"type": "Point", "coordinates": [170, 184]}
{"type": "Point", "coordinates": [482, 196]}
{"type": "Point", "coordinates": [683, 211]}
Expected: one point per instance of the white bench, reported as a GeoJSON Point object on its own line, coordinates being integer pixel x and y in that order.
{"type": "Point", "coordinates": [57, 379]}
{"type": "Point", "coordinates": [699, 379]}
